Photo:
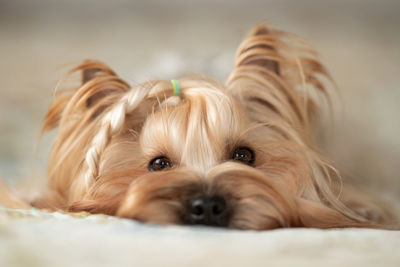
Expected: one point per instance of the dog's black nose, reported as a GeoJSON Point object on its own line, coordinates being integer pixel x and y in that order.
{"type": "Point", "coordinates": [209, 211]}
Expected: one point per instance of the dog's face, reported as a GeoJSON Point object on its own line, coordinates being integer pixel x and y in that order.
{"type": "Point", "coordinates": [200, 160]}
{"type": "Point", "coordinates": [238, 155]}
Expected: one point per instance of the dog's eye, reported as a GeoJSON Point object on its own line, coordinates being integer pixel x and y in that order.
{"type": "Point", "coordinates": [243, 154]}
{"type": "Point", "coordinates": [159, 164]}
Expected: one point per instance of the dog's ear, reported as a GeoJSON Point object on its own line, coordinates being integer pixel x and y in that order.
{"type": "Point", "coordinates": [92, 70]}
{"type": "Point", "coordinates": [259, 49]}
{"type": "Point", "coordinates": [99, 88]}
{"type": "Point", "coordinates": [274, 77]}
{"type": "Point", "coordinates": [257, 78]}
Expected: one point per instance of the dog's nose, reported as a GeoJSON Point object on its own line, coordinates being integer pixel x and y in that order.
{"type": "Point", "coordinates": [209, 211]}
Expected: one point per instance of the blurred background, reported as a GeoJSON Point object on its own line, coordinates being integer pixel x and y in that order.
{"type": "Point", "coordinates": [359, 41]}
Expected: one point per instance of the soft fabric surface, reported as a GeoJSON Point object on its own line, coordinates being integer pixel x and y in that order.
{"type": "Point", "coordinates": [36, 238]}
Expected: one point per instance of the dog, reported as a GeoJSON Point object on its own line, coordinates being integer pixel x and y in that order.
{"type": "Point", "coordinates": [194, 151]}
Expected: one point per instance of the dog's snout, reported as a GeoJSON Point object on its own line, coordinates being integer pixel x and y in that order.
{"type": "Point", "coordinates": [208, 210]}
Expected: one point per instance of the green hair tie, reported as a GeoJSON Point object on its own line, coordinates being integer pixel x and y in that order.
{"type": "Point", "coordinates": [177, 88]}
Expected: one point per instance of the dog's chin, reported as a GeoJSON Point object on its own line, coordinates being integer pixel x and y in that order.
{"type": "Point", "coordinates": [253, 201]}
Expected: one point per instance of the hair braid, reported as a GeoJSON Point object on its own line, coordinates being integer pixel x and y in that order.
{"type": "Point", "coordinates": [111, 123]}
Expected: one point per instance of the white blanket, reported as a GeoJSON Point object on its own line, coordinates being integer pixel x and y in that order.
{"type": "Point", "coordinates": [35, 238]}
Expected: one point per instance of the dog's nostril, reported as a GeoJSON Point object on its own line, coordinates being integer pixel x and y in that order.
{"type": "Point", "coordinates": [198, 207]}
{"type": "Point", "coordinates": [208, 211]}
{"type": "Point", "coordinates": [218, 208]}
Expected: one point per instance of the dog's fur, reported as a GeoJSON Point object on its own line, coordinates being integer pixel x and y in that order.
{"type": "Point", "coordinates": [108, 132]}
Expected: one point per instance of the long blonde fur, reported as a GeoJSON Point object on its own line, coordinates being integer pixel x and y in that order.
{"type": "Point", "coordinates": [108, 132]}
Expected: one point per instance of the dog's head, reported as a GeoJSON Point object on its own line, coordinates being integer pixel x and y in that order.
{"type": "Point", "coordinates": [240, 154]}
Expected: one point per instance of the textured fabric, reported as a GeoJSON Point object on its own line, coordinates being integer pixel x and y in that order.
{"type": "Point", "coordinates": [36, 238]}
